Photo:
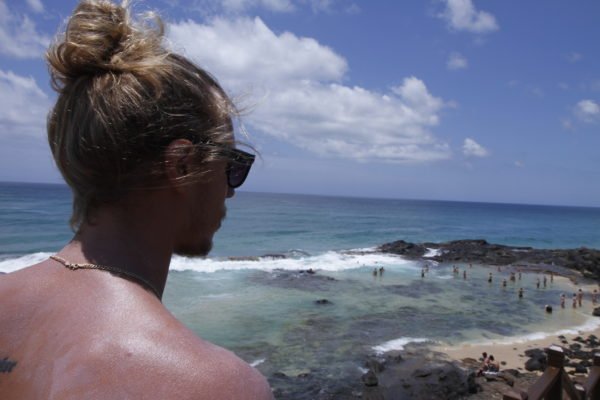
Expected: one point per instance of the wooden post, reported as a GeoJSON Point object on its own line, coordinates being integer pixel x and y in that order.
{"type": "Point", "coordinates": [556, 359]}
{"type": "Point", "coordinates": [512, 395]}
{"type": "Point", "coordinates": [554, 380]}
{"type": "Point", "coordinates": [580, 391]}
{"type": "Point", "coordinates": [592, 385]}
{"type": "Point", "coordinates": [549, 386]}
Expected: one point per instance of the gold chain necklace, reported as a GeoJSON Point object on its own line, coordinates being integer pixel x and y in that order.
{"type": "Point", "coordinates": [134, 276]}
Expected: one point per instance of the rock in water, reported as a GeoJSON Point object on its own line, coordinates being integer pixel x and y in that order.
{"type": "Point", "coordinates": [370, 379]}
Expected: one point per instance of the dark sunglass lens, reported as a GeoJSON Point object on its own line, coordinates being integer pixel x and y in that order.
{"type": "Point", "coordinates": [237, 174]}
{"type": "Point", "coordinates": [239, 167]}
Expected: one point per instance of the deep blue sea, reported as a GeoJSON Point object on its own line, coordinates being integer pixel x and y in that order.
{"type": "Point", "coordinates": [33, 218]}
{"type": "Point", "coordinates": [265, 310]}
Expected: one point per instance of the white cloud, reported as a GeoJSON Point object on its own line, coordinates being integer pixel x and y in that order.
{"type": "Point", "coordinates": [461, 15]}
{"type": "Point", "coordinates": [18, 35]}
{"type": "Point", "coordinates": [246, 51]}
{"type": "Point", "coordinates": [353, 8]}
{"type": "Point", "coordinates": [320, 5]}
{"type": "Point", "coordinates": [23, 106]}
{"type": "Point", "coordinates": [328, 6]}
{"type": "Point", "coordinates": [352, 122]}
{"type": "Point", "coordinates": [473, 149]}
{"type": "Point", "coordinates": [574, 57]}
{"type": "Point", "coordinates": [456, 61]}
{"type": "Point", "coordinates": [36, 5]}
{"type": "Point", "coordinates": [243, 5]}
{"type": "Point", "coordinates": [588, 110]}
{"type": "Point", "coordinates": [305, 101]}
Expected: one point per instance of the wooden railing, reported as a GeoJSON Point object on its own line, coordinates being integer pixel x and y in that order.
{"type": "Point", "coordinates": [555, 381]}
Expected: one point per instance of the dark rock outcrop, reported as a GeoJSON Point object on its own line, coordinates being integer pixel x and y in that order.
{"type": "Point", "coordinates": [534, 365]}
{"type": "Point", "coordinates": [370, 379]}
{"type": "Point", "coordinates": [418, 376]}
{"type": "Point", "coordinates": [583, 260]}
{"type": "Point", "coordinates": [537, 361]}
{"type": "Point", "coordinates": [410, 250]}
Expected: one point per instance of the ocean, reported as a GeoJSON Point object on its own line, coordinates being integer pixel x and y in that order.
{"type": "Point", "coordinates": [251, 296]}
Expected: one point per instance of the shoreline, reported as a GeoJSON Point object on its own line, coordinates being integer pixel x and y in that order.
{"type": "Point", "coordinates": [509, 355]}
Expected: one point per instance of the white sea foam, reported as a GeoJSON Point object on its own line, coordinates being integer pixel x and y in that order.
{"type": "Point", "coordinates": [329, 261]}
{"type": "Point", "coordinates": [398, 344]}
{"type": "Point", "coordinates": [432, 253]}
{"type": "Point", "coordinates": [257, 362]}
{"type": "Point", "coordinates": [363, 249]}
{"type": "Point", "coordinates": [590, 325]}
{"type": "Point", "coordinates": [17, 263]}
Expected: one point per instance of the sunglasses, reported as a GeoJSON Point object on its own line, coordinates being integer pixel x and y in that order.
{"type": "Point", "coordinates": [238, 167]}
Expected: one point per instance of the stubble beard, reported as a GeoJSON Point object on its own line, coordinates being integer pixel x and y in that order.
{"type": "Point", "coordinates": [199, 248]}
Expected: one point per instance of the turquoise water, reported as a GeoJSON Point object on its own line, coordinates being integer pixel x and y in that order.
{"type": "Point", "coordinates": [265, 309]}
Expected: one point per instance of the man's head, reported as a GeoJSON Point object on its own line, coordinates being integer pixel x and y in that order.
{"type": "Point", "coordinates": [129, 110]}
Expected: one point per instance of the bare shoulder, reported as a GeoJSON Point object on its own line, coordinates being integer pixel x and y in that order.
{"type": "Point", "coordinates": [116, 346]}
{"type": "Point", "coordinates": [172, 362]}
{"type": "Point", "coordinates": [213, 372]}
{"type": "Point", "coordinates": [225, 375]}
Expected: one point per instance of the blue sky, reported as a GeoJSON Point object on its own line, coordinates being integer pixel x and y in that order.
{"type": "Point", "coordinates": [468, 100]}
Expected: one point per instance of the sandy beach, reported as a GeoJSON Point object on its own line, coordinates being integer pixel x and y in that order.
{"type": "Point", "coordinates": [511, 354]}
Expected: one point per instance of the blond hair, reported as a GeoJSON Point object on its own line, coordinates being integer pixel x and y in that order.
{"type": "Point", "coordinates": [122, 98]}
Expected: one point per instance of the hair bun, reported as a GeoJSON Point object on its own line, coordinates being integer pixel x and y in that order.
{"type": "Point", "coordinates": [100, 37]}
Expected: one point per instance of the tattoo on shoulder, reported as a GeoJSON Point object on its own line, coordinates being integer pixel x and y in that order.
{"type": "Point", "coordinates": [6, 365]}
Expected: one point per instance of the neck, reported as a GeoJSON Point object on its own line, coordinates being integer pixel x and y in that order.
{"type": "Point", "coordinates": [132, 240]}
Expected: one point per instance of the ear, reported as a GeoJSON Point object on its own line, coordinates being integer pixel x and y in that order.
{"type": "Point", "coordinates": [178, 161]}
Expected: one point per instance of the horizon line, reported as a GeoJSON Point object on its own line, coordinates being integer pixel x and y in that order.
{"type": "Point", "coordinates": [346, 196]}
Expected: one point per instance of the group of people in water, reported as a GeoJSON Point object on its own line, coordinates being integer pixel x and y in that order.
{"type": "Point", "coordinates": [517, 275]}
{"type": "Point", "coordinates": [578, 298]}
